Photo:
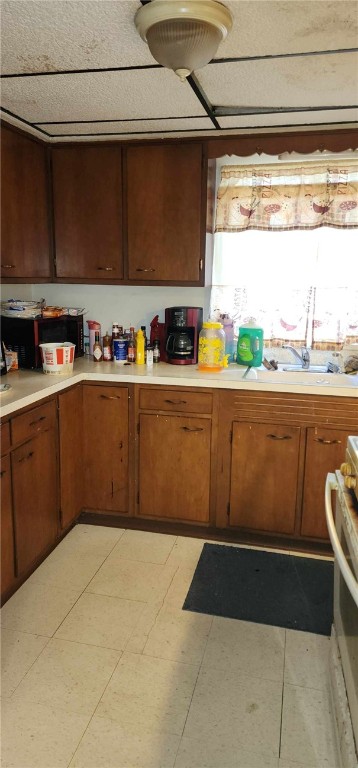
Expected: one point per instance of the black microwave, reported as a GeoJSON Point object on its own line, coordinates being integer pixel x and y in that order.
{"type": "Point", "coordinates": [23, 335]}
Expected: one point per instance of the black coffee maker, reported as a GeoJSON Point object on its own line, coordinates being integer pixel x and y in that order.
{"type": "Point", "coordinates": [182, 328]}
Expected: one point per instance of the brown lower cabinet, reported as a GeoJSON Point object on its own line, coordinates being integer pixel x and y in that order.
{"type": "Point", "coordinates": [264, 476]}
{"type": "Point", "coordinates": [7, 528]}
{"type": "Point", "coordinates": [274, 452]}
{"type": "Point", "coordinates": [325, 452]}
{"type": "Point", "coordinates": [105, 448]}
{"type": "Point", "coordinates": [35, 498]}
{"type": "Point", "coordinates": [71, 455]}
{"type": "Point", "coordinates": [174, 467]}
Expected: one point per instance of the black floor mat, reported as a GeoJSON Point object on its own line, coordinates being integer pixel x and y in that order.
{"type": "Point", "coordinates": [263, 587]}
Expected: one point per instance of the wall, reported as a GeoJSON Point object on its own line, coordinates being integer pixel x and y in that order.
{"type": "Point", "coordinates": [128, 305]}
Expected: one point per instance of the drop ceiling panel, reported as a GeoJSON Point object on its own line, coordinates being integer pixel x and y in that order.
{"type": "Point", "coordinates": [291, 118]}
{"type": "Point", "coordinates": [308, 81]}
{"type": "Point", "coordinates": [100, 96]}
{"type": "Point", "coordinates": [53, 35]}
{"type": "Point", "coordinates": [132, 127]}
{"type": "Point", "coordinates": [289, 26]}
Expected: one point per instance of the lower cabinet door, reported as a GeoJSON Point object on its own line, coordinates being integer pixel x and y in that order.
{"type": "Point", "coordinates": [35, 498]}
{"type": "Point", "coordinates": [264, 476]}
{"type": "Point", "coordinates": [174, 467]}
{"type": "Point", "coordinates": [325, 452]}
{"type": "Point", "coordinates": [105, 448]}
{"type": "Point", "coordinates": [71, 455]}
{"type": "Point", "coordinates": [7, 530]}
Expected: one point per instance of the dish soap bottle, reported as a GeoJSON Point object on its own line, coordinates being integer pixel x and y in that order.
{"type": "Point", "coordinates": [250, 344]}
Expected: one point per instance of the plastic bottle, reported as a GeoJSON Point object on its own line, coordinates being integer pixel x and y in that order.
{"type": "Point", "coordinates": [250, 344]}
{"type": "Point", "coordinates": [211, 357]}
{"type": "Point", "coordinates": [230, 346]}
{"type": "Point", "coordinates": [140, 350]}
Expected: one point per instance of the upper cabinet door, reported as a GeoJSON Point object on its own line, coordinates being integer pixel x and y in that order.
{"type": "Point", "coordinates": [25, 242]}
{"type": "Point", "coordinates": [87, 190]}
{"type": "Point", "coordinates": [166, 213]}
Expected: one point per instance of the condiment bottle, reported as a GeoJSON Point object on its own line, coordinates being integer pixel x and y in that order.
{"type": "Point", "coordinates": [107, 347]}
{"type": "Point", "coordinates": [143, 328]}
{"type": "Point", "coordinates": [149, 358]}
{"type": "Point", "coordinates": [97, 349]}
{"type": "Point", "coordinates": [140, 351]}
{"type": "Point", "coordinates": [156, 351]}
{"type": "Point", "coordinates": [131, 346]}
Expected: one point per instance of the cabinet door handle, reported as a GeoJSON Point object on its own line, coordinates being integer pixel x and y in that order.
{"type": "Point", "coordinates": [192, 429]}
{"type": "Point", "coordinates": [200, 265]}
{"type": "Point", "coordinates": [176, 402]}
{"type": "Point", "coordinates": [279, 437]}
{"type": "Point", "coordinates": [8, 266]}
{"type": "Point", "coordinates": [110, 397]}
{"type": "Point", "coordinates": [105, 269]}
{"type": "Point", "coordinates": [3, 472]}
{"type": "Point", "coordinates": [327, 442]}
{"type": "Point", "coordinates": [25, 458]}
{"type": "Point", "coordinates": [37, 421]}
{"type": "Point", "coordinates": [142, 269]}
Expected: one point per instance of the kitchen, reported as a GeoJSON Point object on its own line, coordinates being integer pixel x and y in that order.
{"type": "Point", "coordinates": [170, 556]}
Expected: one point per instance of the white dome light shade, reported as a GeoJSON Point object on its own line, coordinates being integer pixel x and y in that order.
{"type": "Point", "coordinates": [183, 36]}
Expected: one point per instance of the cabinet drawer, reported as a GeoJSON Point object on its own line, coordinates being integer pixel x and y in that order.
{"type": "Point", "coordinates": [34, 421]}
{"type": "Point", "coordinates": [5, 437]}
{"type": "Point", "coordinates": [175, 400]}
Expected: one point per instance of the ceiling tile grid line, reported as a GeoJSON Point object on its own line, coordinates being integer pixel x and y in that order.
{"type": "Point", "coordinates": [227, 60]}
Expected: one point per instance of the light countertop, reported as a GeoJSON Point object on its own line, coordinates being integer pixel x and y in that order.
{"type": "Point", "coordinates": [28, 387]}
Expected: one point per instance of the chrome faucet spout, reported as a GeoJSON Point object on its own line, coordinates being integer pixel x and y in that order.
{"type": "Point", "coordinates": [304, 359]}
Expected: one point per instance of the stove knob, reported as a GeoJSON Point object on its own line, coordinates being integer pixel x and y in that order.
{"type": "Point", "coordinates": [346, 468]}
{"type": "Point", "coordinates": [350, 482]}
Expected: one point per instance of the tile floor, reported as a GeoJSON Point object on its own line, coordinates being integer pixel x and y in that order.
{"type": "Point", "coordinates": [101, 668]}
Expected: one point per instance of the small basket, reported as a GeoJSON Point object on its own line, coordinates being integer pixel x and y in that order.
{"type": "Point", "coordinates": [57, 357]}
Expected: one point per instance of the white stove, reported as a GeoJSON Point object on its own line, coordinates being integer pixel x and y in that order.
{"type": "Point", "coordinates": [343, 533]}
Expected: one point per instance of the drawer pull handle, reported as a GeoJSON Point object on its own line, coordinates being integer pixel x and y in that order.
{"type": "Point", "coordinates": [25, 458]}
{"type": "Point", "coordinates": [110, 397]}
{"type": "Point", "coordinates": [8, 266]}
{"type": "Point", "coordinates": [176, 402]}
{"type": "Point", "coordinates": [37, 421]}
{"type": "Point", "coordinates": [192, 429]}
{"type": "Point", "coordinates": [142, 269]}
{"type": "Point", "coordinates": [327, 442]}
{"type": "Point", "coordinates": [279, 437]}
{"type": "Point", "coordinates": [105, 269]}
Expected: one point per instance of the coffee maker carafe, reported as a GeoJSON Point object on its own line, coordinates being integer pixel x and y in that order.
{"type": "Point", "coordinates": [182, 328]}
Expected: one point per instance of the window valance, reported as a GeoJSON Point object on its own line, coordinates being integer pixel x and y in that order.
{"type": "Point", "coordinates": [287, 197]}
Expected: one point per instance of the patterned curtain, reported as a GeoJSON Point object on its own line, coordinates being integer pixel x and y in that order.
{"type": "Point", "coordinates": [285, 197]}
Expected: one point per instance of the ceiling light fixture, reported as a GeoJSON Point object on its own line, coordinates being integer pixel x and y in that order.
{"type": "Point", "coordinates": [183, 36]}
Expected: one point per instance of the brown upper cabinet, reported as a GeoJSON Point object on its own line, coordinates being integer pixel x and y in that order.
{"type": "Point", "coordinates": [25, 242]}
{"type": "Point", "coordinates": [166, 208]}
{"type": "Point", "coordinates": [87, 200]}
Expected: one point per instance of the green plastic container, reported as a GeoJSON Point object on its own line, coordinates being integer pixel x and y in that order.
{"type": "Point", "coordinates": [250, 345]}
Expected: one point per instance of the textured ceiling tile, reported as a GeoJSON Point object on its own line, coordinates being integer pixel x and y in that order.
{"type": "Point", "coordinates": [263, 27]}
{"type": "Point", "coordinates": [133, 127]}
{"type": "Point", "coordinates": [289, 118]}
{"type": "Point", "coordinates": [100, 96]}
{"type": "Point", "coordinates": [53, 35]}
{"type": "Point", "coordinates": [329, 80]}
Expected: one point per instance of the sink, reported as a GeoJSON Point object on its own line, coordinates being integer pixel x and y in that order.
{"type": "Point", "coordinates": [311, 369]}
{"type": "Point", "coordinates": [307, 377]}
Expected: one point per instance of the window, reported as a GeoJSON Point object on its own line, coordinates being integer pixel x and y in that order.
{"type": "Point", "coordinates": [286, 253]}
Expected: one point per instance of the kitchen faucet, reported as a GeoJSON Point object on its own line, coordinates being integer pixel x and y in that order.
{"type": "Point", "coordinates": [304, 360]}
